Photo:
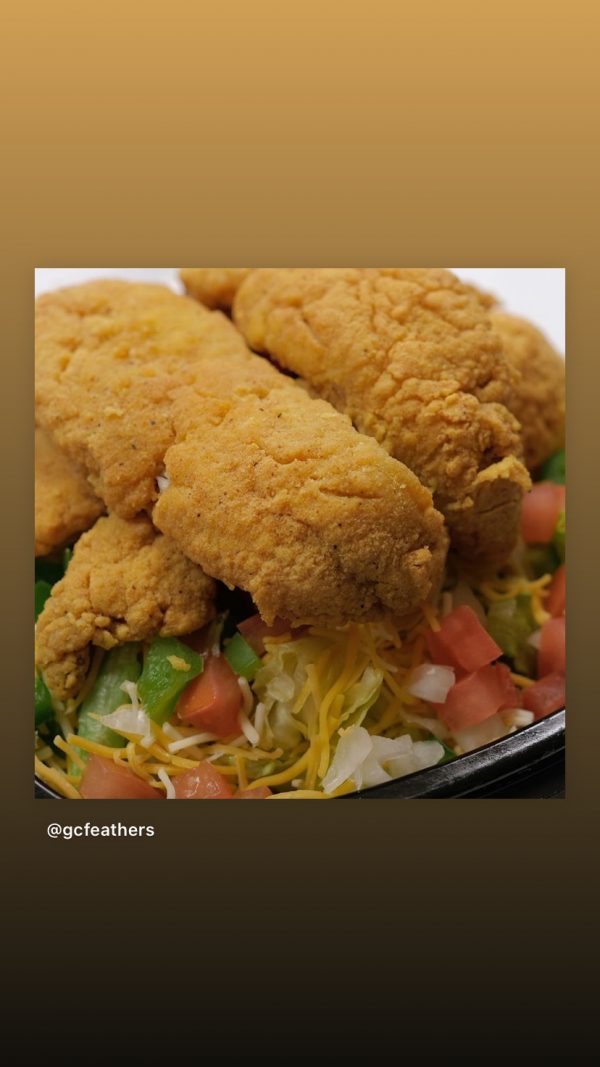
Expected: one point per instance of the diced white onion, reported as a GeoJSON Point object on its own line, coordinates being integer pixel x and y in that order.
{"type": "Point", "coordinates": [187, 742]}
{"type": "Point", "coordinates": [163, 482]}
{"type": "Point", "coordinates": [518, 717]}
{"type": "Point", "coordinates": [535, 639]}
{"type": "Point", "coordinates": [481, 734]}
{"type": "Point", "coordinates": [432, 683]}
{"type": "Point", "coordinates": [250, 732]}
{"type": "Point", "coordinates": [170, 788]}
{"type": "Point", "coordinates": [129, 720]}
{"type": "Point", "coordinates": [353, 748]}
{"type": "Point", "coordinates": [247, 695]}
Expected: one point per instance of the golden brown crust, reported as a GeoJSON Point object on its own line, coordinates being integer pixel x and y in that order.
{"type": "Point", "coordinates": [125, 582]}
{"type": "Point", "coordinates": [538, 399]}
{"type": "Point", "coordinates": [410, 356]}
{"type": "Point", "coordinates": [213, 286]}
{"type": "Point", "coordinates": [65, 503]}
{"type": "Point", "coordinates": [323, 525]}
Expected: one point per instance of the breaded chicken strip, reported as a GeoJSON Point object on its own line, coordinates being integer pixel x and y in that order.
{"type": "Point", "coordinates": [125, 582]}
{"type": "Point", "coordinates": [538, 400]}
{"type": "Point", "coordinates": [215, 287]}
{"type": "Point", "coordinates": [65, 503]}
{"type": "Point", "coordinates": [270, 490]}
{"type": "Point", "coordinates": [410, 356]}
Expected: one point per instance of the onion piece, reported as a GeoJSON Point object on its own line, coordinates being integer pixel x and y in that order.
{"type": "Point", "coordinates": [431, 683]}
{"type": "Point", "coordinates": [535, 639]}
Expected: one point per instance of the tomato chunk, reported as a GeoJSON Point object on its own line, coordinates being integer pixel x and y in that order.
{"type": "Point", "coordinates": [545, 696]}
{"type": "Point", "coordinates": [462, 641]}
{"type": "Point", "coordinates": [255, 629]}
{"type": "Point", "coordinates": [539, 515]}
{"type": "Point", "coordinates": [557, 592]}
{"type": "Point", "coordinates": [213, 700]}
{"type": "Point", "coordinates": [552, 656]}
{"type": "Point", "coordinates": [260, 793]}
{"type": "Point", "coordinates": [203, 782]}
{"type": "Point", "coordinates": [103, 779]}
{"type": "Point", "coordinates": [478, 696]}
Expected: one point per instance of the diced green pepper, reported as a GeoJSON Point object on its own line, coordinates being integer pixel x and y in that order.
{"type": "Point", "coordinates": [539, 560]}
{"type": "Point", "coordinates": [168, 667]}
{"type": "Point", "coordinates": [510, 623]}
{"type": "Point", "coordinates": [44, 711]}
{"type": "Point", "coordinates": [554, 468]}
{"type": "Point", "coordinates": [119, 665]}
{"type": "Point", "coordinates": [448, 752]}
{"type": "Point", "coordinates": [42, 592]}
{"type": "Point", "coordinates": [242, 658]}
{"type": "Point", "coordinates": [558, 539]}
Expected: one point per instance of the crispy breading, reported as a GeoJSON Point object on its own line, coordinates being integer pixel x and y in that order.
{"type": "Point", "coordinates": [270, 490]}
{"type": "Point", "coordinates": [213, 286]}
{"type": "Point", "coordinates": [410, 356]}
{"type": "Point", "coordinates": [65, 503]}
{"type": "Point", "coordinates": [125, 582]}
{"type": "Point", "coordinates": [538, 399]}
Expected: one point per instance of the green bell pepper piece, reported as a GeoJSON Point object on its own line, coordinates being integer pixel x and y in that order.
{"type": "Point", "coordinates": [162, 681]}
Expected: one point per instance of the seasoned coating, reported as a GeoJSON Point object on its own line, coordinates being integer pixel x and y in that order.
{"type": "Point", "coordinates": [410, 356]}
{"type": "Point", "coordinates": [538, 399]}
{"type": "Point", "coordinates": [215, 287]}
{"type": "Point", "coordinates": [276, 493]}
{"type": "Point", "coordinates": [270, 490]}
{"type": "Point", "coordinates": [65, 503]}
{"type": "Point", "coordinates": [125, 582]}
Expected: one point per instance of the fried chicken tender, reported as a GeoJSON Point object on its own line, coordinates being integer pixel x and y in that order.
{"type": "Point", "coordinates": [269, 490]}
{"type": "Point", "coordinates": [65, 503]}
{"type": "Point", "coordinates": [215, 287]}
{"type": "Point", "coordinates": [125, 582]}
{"type": "Point", "coordinates": [538, 399]}
{"type": "Point", "coordinates": [410, 356]}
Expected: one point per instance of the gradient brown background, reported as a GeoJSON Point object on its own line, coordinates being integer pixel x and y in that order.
{"type": "Point", "coordinates": [319, 133]}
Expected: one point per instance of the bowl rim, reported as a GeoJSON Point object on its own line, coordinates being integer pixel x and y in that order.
{"type": "Point", "coordinates": [526, 751]}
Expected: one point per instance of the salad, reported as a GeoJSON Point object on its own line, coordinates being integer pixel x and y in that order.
{"type": "Point", "coordinates": [242, 710]}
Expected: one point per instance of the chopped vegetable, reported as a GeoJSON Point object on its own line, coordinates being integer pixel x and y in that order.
{"type": "Point", "coordinates": [260, 793]}
{"type": "Point", "coordinates": [103, 779]}
{"type": "Point", "coordinates": [66, 558]}
{"type": "Point", "coordinates": [203, 782]}
{"type": "Point", "coordinates": [554, 468]}
{"type": "Point", "coordinates": [541, 509]}
{"type": "Point", "coordinates": [481, 733]}
{"type": "Point", "coordinates": [431, 683]}
{"type": "Point", "coordinates": [42, 592]}
{"type": "Point", "coordinates": [557, 593]}
{"type": "Point", "coordinates": [44, 710]}
{"type": "Point", "coordinates": [478, 696]}
{"type": "Point", "coordinates": [254, 630]}
{"type": "Point", "coordinates": [510, 622]}
{"type": "Point", "coordinates": [213, 701]}
{"type": "Point", "coordinates": [161, 682]}
{"type": "Point", "coordinates": [552, 657]}
{"type": "Point", "coordinates": [546, 695]}
{"type": "Point", "coordinates": [120, 665]}
{"type": "Point", "coordinates": [559, 537]}
{"type": "Point", "coordinates": [462, 641]}
{"type": "Point", "coordinates": [242, 658]}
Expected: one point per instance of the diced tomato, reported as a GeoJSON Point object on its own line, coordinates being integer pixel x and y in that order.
{"type": "Point", "coordinates": [478, 696]}
{"type": "Point", "coordinates": [260, 793]}
{"type": "Point", "coordinates": [545, 696]}
{"type": "Point", "coordinates": [103, 779]}
{"type": "Point", "coordinates": [254, 630]}
{"type": "Point", "coordinates": [462, 641]}
{"type": "Point", "coordinates": [213, 700]}
{"type": "Point", "coordinates": [203, 782]}
{"type": "Point", "coordinates": [552, 656]}
{"type": "Point", "coordinates": [557, 592]}
{"type": "Point", "coordinates": [539, 515]}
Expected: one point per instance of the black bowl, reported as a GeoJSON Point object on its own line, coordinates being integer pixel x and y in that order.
{"type": "Point", "coordinates": [529, 763]}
